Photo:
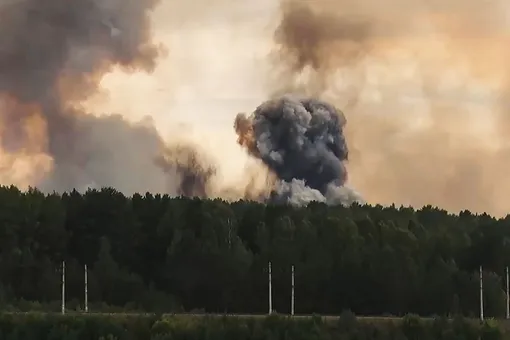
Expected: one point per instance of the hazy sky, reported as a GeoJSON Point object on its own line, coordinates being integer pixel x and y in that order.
{"type": "Point", "coordinates": [429, 63]}
{"type": "Point", "coordinates": [426, 99]}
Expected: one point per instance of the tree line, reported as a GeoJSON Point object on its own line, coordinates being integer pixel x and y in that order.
{"type": "Point", "coordinates": [161, 253]}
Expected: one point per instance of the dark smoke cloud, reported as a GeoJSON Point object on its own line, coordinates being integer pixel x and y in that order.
{"type": "Point", "coordinates": [424, 88]}
{"type": "Point", "coordinates": [301, 141]}
{"type": "Point", "coordinates": [311, 42]}
{"type": "Point", "coordinates": [52, 56]}
{"type": "Point", "coordinates": [192, 167]}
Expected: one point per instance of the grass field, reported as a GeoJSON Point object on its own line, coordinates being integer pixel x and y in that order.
{"type": "Point", "coordinates": [503, 323]}
{"type": "Point", "coordinates": [198, 315]}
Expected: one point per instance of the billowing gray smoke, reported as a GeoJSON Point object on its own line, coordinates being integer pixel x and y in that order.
{"type": "Point", "coordinates": [53, 54]}
{"type": "Point", "coordinates": [301, 141]}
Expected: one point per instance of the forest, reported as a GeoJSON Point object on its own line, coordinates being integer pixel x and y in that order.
{"type": "Point", "coordinates": [158, 253]}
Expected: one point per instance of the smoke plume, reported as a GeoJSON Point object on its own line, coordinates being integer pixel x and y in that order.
{"type": "Point", "coordinates": [424, 89]}
{"type": "Point", "coordinates": [301, 141]}
{"type": "Point", "coordinates": [424, 86]}
{"type": "Point", "coordinates": [193, 168]}
{"type": "Point", "coordinates": [311, 42]}
{"type": "Point", "coordinates": [52, 56]}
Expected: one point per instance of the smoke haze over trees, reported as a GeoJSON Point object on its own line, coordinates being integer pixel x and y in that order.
{"type": "Point", "coordinates": [301, 141]}
{"type": "Point", "coordinates": [424, 90]}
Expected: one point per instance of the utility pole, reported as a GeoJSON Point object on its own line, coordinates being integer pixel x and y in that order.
{"type": "Point", "coordinates": [86, 290]}
{"type": "Point", "coordinates": [63, 287]}
{"type": "Point", "coordinates": [507, 295]}
{"type": "Point", "coordinates": [270, 291]}
{"type": "Point", "coordinates": [481, 294]}
{"type": "Point", "coordinates": [229, 234]}
{"type": "Point", "coordinates": [292, 292]}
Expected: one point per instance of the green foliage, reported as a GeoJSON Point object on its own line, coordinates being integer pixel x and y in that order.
{"type": "Point", "coordinates": [45, 326]}
{"type": "Point", "coordinates": [491, 331]}
{"type": "Point", "coordinates": [161, 254]}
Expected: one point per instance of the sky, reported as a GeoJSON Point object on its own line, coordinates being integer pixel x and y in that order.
{"type": "Point", "coordinates": [426, 97]}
